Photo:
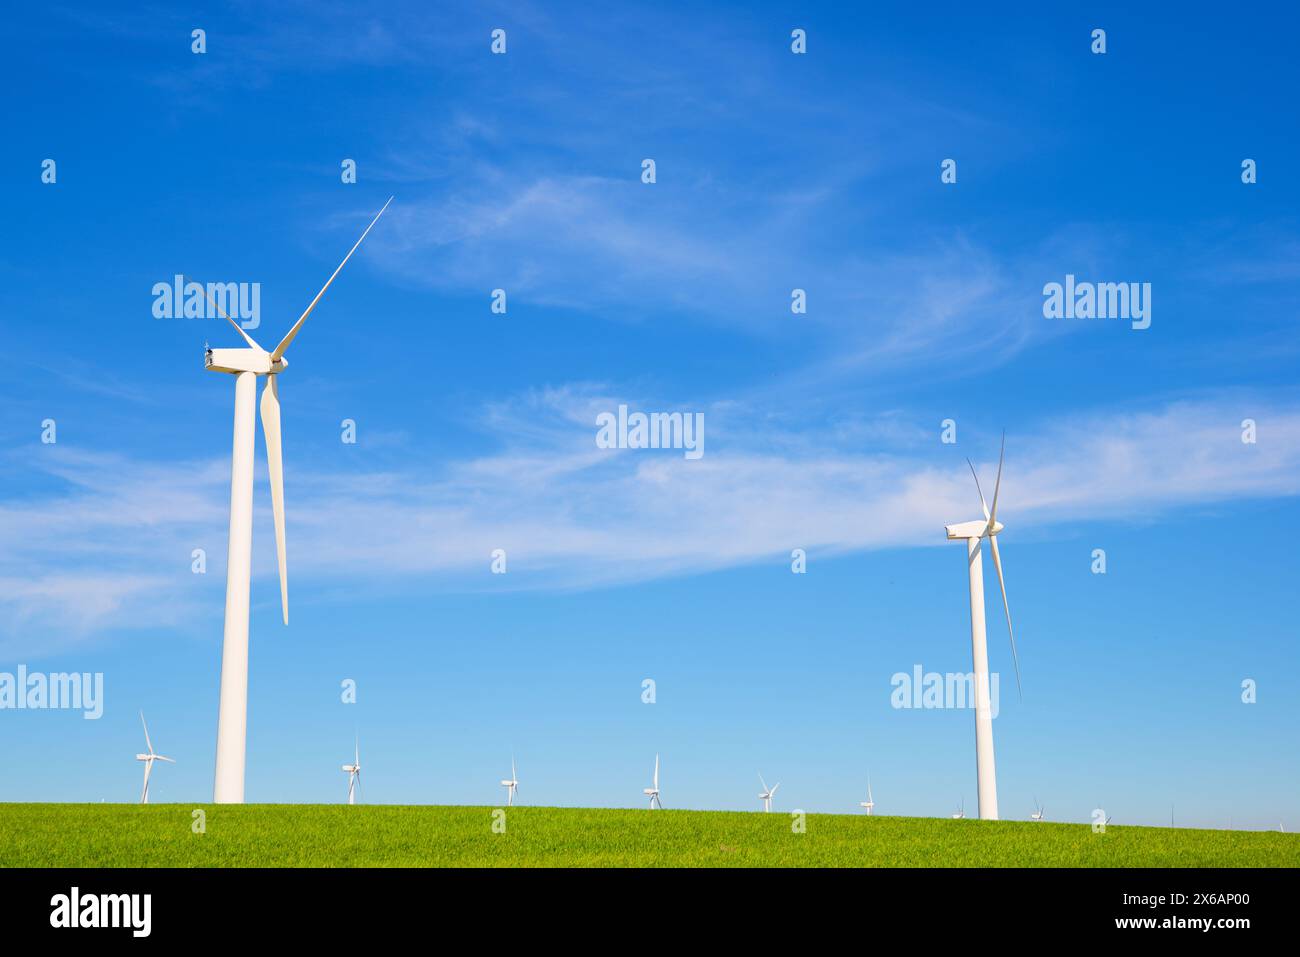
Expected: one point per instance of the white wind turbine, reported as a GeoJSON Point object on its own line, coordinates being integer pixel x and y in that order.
{"type": "Point", "coordinates": [653, 792]}
{"type": "Point", "coordinates": [354, 773]}
{"type": "Point", "coordinates": [511, 785]}
{"type": "Point", "coordinates": [1039, 811]}
{"type": "Point", "coordinates": [869, 803]}
{"type": "Point", "coordinates": [766, 796]}
{"type": "Point", "coordinates": [961, 810]}
{"type": "Point", "coordinates": [975, 533]}
{"type": "Point", "coordinates": [246, 365]}
{"type": "Point", "coordinates": [148, 760]}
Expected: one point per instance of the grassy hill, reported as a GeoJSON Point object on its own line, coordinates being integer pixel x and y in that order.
{"type": "Point", "coordinates": [161, 835]}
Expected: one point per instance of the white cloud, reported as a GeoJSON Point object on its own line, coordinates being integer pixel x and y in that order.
{"type": "Point", "coordinates": [112, 547]}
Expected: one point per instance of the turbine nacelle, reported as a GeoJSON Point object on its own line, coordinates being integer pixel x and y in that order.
{"type": "Point", "coordinates": [975, 529]}
{"type": "Point", "coordinates": [235, 361]}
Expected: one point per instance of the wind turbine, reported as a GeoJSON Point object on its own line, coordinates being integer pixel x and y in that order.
{"type": "Point", "coordinates": [246, 365]}
{"type": "Point", "coordinates": [868, 803]}
{"type": "Point", "coordinates": [354, 774]}
{"type": "Point", "coordinates": [975, 533]}
{"type": "Point", "coordinates": [511, 785]}
{"type": "Point", "coordinates": [653, 792]}
{"type": "Point", "coordinates": [1039, 811]}
{"type": "Point", "coordinates": [766, 796]}
{"type": "Point", "coordinates": [148, 760]}
{"type": "Point", "coordinates": [961, 810]}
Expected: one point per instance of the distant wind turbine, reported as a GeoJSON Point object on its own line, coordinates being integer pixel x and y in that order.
{"type": "Point", "coordinates": [1039, 811]}
{"type": "Point", "coordinates": [766, 796]}
{"type": "Point", "coordinates": [868, 803]}
{"type": "Point", "coordinates": [149, 758]}
{"type": "Point", "coordinates": [975, 533]}
{"type": "Point", "coordinates": [961, 810]}
{"type": "Point", "coordinates": [653, 791]}
{"type": "Point", "coordinates": [512, 784]}
{"type": "Point", "coordinates": [246, 365]}
{"type": "Point", "coordinates": [354, 773]}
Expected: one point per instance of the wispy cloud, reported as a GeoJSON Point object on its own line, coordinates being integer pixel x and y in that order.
{"type": "Point", "coordinates": [604, 247]}
{"type": "Point", "coordinates": [113, 545]}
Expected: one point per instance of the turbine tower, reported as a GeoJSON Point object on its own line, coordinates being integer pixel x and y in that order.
{"type": "Point", "coordinates": [653, 791]}
{"type": "Point", "coordinates": [869, 803]}
{"type": "Point", "coordinates": [354, 773]}
{"type": "Point", "coordinates": [766, 796]}
{"type": "Point", "coordinates": [511, 785]}
{"type": "Point", "coordinates": [246, 365]}
{"type": "Point", "coordinates": [149, 758]}
{"type": "Point", "coordinates": [976, 533]}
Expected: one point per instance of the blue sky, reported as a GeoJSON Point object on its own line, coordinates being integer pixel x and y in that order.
{"type": "Point", "coordinates": [476, 431]}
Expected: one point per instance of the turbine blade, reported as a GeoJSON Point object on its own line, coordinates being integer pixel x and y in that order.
{"type": "Point", "coordinates": [656, 772]}
{"type": "Point", "coordinates": [238, 328]}
{"type": "Point", "coordinates": [993, 512]}
{"type": "Point", "coordinates": [983, 504]}
{"type": "Point", "coordinates": [147, 742]}
{"type": "Point", "coordinates": [284, 343]}
{"type": "Point", "coordinates": [774, 787]}
{"type": "Point", "coordinates": [997, 563]}
{"type": "Point", "coordinates": [275, 468]}
{"type": "Point", "coordinates": [168, 760]}
{"type": "Point", "coordinates": [761, 781]}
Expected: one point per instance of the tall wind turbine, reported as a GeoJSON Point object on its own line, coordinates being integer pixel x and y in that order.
{"type": "Point", "coordinates": [653, 791]}
{"type": "Point", "coordinates": [869, 803]}
{"type": "Point", "coordinates": [246, 365]}
{"type": "Point", "coordinates": [354, 773]}
{"type": "Point", "coordinates": [148, 760]}
{"type": "Point", "coordinates": [512, 785]}
{"type": "Point", "coordinates": [766, 796]}
{"type": "Point", "coordinates": [975, 533]}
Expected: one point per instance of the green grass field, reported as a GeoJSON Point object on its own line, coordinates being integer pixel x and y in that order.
{"type": "Point", "coordinates": [109, 835]}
